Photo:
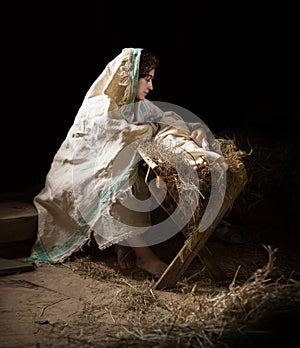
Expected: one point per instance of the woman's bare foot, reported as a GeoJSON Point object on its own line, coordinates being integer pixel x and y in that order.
{"type": "Point", "coordinates": [125, 257]}
{"type": "Point", "coordinates": [149, 262]}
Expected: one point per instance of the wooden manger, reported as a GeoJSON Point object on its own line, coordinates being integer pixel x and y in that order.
{"type": "Point", "coordinates": [195, 241]}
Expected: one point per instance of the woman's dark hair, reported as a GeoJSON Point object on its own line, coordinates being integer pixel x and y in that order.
{"type": "Point", "coordinates": [148, 61]}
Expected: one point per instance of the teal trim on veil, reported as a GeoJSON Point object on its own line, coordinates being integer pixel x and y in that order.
{"type": "Point", "coordinates": [135, 72]}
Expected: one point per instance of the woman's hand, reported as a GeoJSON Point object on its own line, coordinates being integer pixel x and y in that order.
{"type": "Point", "coordinates": [198, 135]}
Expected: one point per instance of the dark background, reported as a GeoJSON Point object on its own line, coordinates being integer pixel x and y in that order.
{"type": "Point", "coordinates": [235, 66]}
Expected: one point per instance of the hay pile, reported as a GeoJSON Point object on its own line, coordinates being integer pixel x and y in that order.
{"type": "Point", "coordinates": [236, 315]}
{"type": "Point", "coordinates": [262, 310]}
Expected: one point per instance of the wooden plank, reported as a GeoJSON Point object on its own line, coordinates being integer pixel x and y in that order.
{"type": "Point", "coordinates": [15, 250]}
{"type": "Point", "coordinates": [196, 241]}
{"type": "Point", "coordinates": [204, 254]}
{"type": "Point", "coordinates": [14, 266]}
{"type": "Point", "coordinates": [147, 159]}
{"type": "Point", "coordinates": [18, 221]}
{"type": "Point", "coordinates": [192, 246]}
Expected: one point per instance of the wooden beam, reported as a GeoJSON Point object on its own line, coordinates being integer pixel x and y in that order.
{"type": "Point", "coordinates": [192, 246]}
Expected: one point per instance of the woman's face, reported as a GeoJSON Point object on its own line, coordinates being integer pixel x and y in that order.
{"type": "Point", "coordinates": [144, 85]}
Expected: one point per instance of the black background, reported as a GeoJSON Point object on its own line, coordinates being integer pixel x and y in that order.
{"type": "Point", "coordinates": [235, 66]}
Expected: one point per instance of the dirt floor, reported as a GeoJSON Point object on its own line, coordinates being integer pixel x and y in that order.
{"type": "Point", "coordinates": [88, 302]}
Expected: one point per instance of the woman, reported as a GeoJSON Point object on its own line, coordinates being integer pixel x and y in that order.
{"type": "Point", "coordinates": [96, 166]}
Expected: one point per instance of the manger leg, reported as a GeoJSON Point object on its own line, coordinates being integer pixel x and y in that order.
{"type": "Point", "coordinates": [191, 248]}
{"type": "Point", "coordinates": [211, 265]}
